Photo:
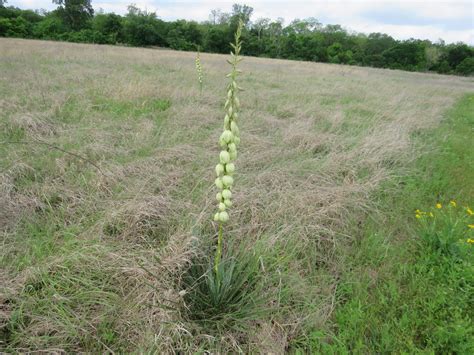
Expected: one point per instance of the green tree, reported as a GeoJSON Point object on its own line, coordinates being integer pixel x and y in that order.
{"type": "Point", "coordinates": [217, 17]}
{"type": "Point", "coordinates": [75, 13]}
{"type": "Point", "coordinates": [457, 53]}
{"type": "Point", "coordinates": [432, 56]}
{"type": "Point", "coordinates": [49, 28]}
{"type": "Point", "coordinates": [184, 35]}
{"type": "Point", "coordinates": [5, 26]}
{"type": "Point", "coordinates": [375, 45]}
{"type": "Point", "coordinates": [334, 52]}
{"type": "Point", "coordinates": [216, 39]}
{"type": "Point", "coordinates": [142, 28]}
{"type": "Point", "coordinates": [443, 67]}
{"type": "Point", "coordinates": [109, 25]}
{"type": "Point", "coordinates": [275, 38]}
{"type": "Point", "coordinates": [240, 13]}
{"type": "Point", "coordinates": [466, 67]}
{"type": "Point", "coordinates": [15, 27]}
{"type": "Point", "coordinates": [261, 25]}
{"type": "Point", "coordinates": [409, 55]}
{"type": "Point", "coordinates": [304, 26]}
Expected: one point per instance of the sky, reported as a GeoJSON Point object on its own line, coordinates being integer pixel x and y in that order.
{"type": "Point", "coordinates": [452, 21]}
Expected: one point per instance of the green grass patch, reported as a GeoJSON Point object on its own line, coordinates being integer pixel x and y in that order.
{"type": "Point", "coordinates": [279, 112]}
{"type": "Point", "coordinates": [80, 301]}
{"type": "Point", "coordinates": [12, 133]}
{"type": "Point", "coordinates": [410, 280]}
{"type": "Point", "coordinates": [72, 111]}
{"type": "Point", "coordinates": [133, 108]}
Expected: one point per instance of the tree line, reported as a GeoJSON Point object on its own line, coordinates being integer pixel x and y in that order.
{"type": "Point", "coordinates": [306, 39]}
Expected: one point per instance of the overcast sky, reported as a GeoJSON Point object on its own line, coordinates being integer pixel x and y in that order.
{"type": "Point", "coordinates": [452, 21]}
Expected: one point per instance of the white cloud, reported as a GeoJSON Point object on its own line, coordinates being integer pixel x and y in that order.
{"type": "Point", "coordinates": [402, 19]}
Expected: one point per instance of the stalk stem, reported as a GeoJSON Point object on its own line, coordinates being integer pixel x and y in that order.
{"type": "Point", "coordinates": [217, 259]}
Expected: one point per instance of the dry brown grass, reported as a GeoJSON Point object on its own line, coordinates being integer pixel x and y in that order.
{"type": "Point", "coordinates": [317, 140]}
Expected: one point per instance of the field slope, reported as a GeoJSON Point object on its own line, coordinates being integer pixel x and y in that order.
{"type": "Point", "coordinates": [106, 170]}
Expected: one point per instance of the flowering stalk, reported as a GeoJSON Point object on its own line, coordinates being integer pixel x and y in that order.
{"type": "Point", "coordinates": [199, 70]}
{"type": "Point", "coordinates": [229, 141]}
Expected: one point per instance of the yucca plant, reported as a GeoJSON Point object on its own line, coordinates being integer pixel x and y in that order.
{"type": "Point", "coordinates": [226, 290]}
{"type": "Point", "coordinates": [199, 70]}
{"type": "Point", "coordinates": [229, 141]}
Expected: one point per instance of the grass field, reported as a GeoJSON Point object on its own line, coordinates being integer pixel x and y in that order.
{"type": "Point", "coordinates": [106, 192]}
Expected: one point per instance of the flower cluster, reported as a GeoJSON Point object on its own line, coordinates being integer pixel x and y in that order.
{"type": "Point", "coordinates": [452, 214]}
{"type": "Point", "coordinates": [230, 138]}
{"type": "Point", "coordinates": [421, 214]}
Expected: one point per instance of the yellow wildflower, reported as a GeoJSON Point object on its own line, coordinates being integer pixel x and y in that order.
{"type": "Point", "coordinates": [452, 203]}
{"type": "Point", "coordinates": [431, 214]}
{"type": "Point", "coordinates": [470, 241]}
{"type": "Point", "coordinates": [471, 226]}
{"type": "Point", "coordinates": [439, 205]}
{"type": "Point", "coordinates": [469, 211]}
{"type": "Point", "coordinates": [418, 216]}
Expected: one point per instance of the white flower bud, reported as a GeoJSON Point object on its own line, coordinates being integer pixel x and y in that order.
{"type": "Point", "coordinates": [219, 169]}
{"type": "Point", "coordinates": [233, 155]}
{"type": "Point", "coordinates": [227, 136]}
{"type": "Point", "coordinates": [232, 147]}
{"type": "Point", "coordinates": [219, 197]}
{"type": "Point", "coordinates": [223, 216]}
{"type": "Point", "coordinates": [230, 168]}
{"type": "Point", "coordinates": [222, 206]}
{"type": "Point", "coordinates": [222, 143]}
{"type": "Point", "coordinates": [224, 157]}
{"type": "Point", "coordinates": [217, 217]}
{"type": "Point", "coordinates": [228, 203]}
{"type": "Point", "coordinates": [237, 140]}
{"type": "Point", "coordinates": [229, 94]}
{"type": "Point", "coordinates": [234, 128]}
{"type": "Point", "coordinates": [226, 120]}
{"type": "Point", "coordinates": [236, 102]}
{"type": "Point", "coordinates": [230, 111]}
{"type": "Point", "coordinates": [226, 194]}
{"type": "Point", "coordinates": [219, 183]}
{"type": "Point", "coordinates": [227, 180]}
